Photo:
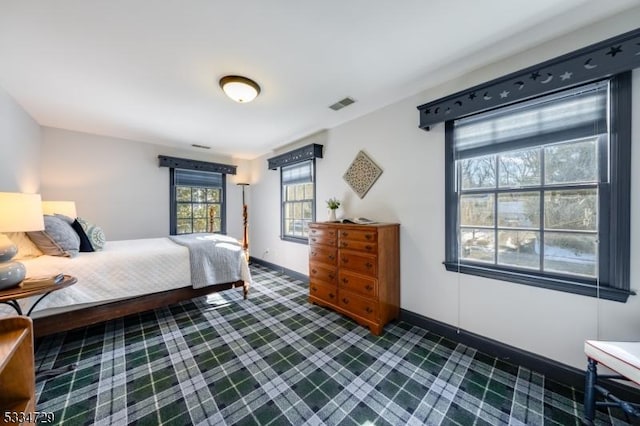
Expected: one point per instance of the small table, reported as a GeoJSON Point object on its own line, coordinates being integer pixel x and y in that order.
{"type": "Point", "coordinates": [10, 296]}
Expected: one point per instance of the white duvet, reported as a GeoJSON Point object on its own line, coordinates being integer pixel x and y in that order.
{"type": "Point", "coordinates": [123, 269]}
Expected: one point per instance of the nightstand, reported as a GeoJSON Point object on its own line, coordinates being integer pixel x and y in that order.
{"type": "Point", "coordinates": [10, 296]}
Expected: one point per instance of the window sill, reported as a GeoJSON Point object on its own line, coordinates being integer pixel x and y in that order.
{"type": "Point", "coordinates": [550, 283]}
{"type": "Point", "coordinates": [299, 240]}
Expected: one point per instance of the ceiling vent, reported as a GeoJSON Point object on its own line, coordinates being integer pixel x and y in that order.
{"type": "Point", "coordinates": [342, 103]}
{"type": "Point", "coordinates": [195, 145]}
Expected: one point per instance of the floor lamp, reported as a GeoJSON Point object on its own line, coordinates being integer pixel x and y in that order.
{"type": "Point", "coordinates": [245, 223]}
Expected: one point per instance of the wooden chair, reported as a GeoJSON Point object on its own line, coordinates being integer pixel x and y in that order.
{"type": "Point", "coordinates": [621, 357]}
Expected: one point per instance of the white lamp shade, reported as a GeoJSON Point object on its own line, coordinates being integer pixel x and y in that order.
{"type": "Point", "coordinates": [67, 208]}
{"type": "Point", "coordinates": [20, 212]}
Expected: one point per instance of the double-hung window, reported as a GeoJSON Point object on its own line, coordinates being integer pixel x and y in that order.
{"type": "Point", "coordinates": [197, 201]}
{"type": "Point", "coordinates": [298, 200]}
{"type": "Point", "coordinates": [537, 192]}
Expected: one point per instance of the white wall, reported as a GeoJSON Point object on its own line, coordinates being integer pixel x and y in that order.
{"type": "Point", "coordinates": [118, 185]}
{"type": "Point", "coordinates": [20, 141]}
{"type": "Point", "coordinates": [411, 192]}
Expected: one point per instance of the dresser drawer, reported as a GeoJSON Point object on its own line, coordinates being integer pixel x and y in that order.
{"type": "Point", "coordinates": [365, 246]}
{"type": "Point", "coordinates": [323, 239]}
{"type": "Point", "coordinates": [358, 305]}
{"type": "Point", "coordinates": [322, 272]}
{"type": "Point", "coordinates": [323, 254]}
{"type": "Point", "coordinates": [328, 293]}
{"type": "Point", "coordinates": [323, 235]}
{"type": "Point", "coordinates": [358, 235]}
{"type": "Point", "coordinates": [360, 284]}
{"type": "Point", "coordinates": [358, 262]}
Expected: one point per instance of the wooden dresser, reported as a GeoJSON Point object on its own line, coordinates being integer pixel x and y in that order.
{"type": "Point", "coordinates": [355, 270]}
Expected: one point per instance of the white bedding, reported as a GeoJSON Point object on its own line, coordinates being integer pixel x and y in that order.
{"type": "Point", "coordinates": [124, 269]}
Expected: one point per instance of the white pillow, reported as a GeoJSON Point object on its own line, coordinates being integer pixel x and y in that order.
{"type": "Point", "coordinates": [26, 248]}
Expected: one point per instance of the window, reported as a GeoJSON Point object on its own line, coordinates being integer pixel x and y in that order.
{"type": "Point", "coordinates": [537, 192]}
{"type": "Point", "coordinates": [197, 201]}
{"type": "Point", "coordinates": [298, 200]}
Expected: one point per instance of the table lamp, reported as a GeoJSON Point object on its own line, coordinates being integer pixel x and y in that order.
{"type": "Point", "coordinates": [66, 208]}
{"type": "Point", "coordinates": [18, 213]}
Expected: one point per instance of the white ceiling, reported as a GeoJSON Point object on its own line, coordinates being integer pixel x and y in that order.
{"type": "Point", "coordinates": [148, 70]}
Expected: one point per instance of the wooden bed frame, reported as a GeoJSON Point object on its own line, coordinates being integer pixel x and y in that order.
{"type": "Point", "coordinates": [95, 314]}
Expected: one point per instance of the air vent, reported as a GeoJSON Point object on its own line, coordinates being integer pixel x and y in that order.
{"type": "Point", "coordinates": [195, 145]}
{"type": "Point", "coordinates": [342, 103]}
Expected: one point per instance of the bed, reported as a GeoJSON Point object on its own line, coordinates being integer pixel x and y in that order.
{"type": "Point", "coordinates": [132, 276]}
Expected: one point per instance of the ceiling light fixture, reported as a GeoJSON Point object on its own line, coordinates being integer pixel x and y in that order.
{"type": "Point", "coordinates": [240, 89]}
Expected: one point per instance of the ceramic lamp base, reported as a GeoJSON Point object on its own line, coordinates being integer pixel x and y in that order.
{"type": "Point", "coordinates": [11, 274]}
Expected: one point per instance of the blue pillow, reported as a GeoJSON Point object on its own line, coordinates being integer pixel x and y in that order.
{"type": "Point", "coordinates": [57, 239]}
{"type": "Point", "coordinates": [85, 244]}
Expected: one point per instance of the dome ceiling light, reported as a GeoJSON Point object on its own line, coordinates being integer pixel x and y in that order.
{"type": "Point", "coordinates": [240, 89]}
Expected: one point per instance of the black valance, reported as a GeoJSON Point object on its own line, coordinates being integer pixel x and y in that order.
{"type": "Point", "coordinates": [307, 152]}
{"type": "Point", "coordinates": [595, 62]}
{"type": "Point", "coordinates": [184, 163]}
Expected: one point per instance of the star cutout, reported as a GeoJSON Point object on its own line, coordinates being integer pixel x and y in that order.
{"type": "Point", "coordinates": [534, 75]}
{"type": "Point", "coordinates": [472, 96]}
{"type": "Point", "coordinates": [615, 50]}
{"type": "Point", "coordinates": [504, 94]}
{"type": "Point", "coordinates": [566, 76]}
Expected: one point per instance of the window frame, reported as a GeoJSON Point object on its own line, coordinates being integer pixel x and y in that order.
{"type": "Point", "coordinates": [292, 238]}
{"type": "Point", "coordinates": [173, 203]}
{"type": "Point", "coordinates": [614, 219]}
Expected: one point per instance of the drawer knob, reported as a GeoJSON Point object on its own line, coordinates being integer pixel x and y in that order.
{"type": "Point", "coordinates": [345, 260]}
{"type": "Point", "coordinates": [368, 236]}
{"type": "Point", "coordinates": [345, 280]}
{"type": "Point", "coordinates": [369, 265]}
{"type": "Point", "coordinates": [331, 257]}
{"type": "Point", "coordinates": [330, 276]}
{"type": "Point", "coordinates": [314, 288]}
{"type": "Point", "coordinates": [345, 234]}
{"type": "Point", "coordinates": [313, 240]}
{"type": "Point", "coordinates": [343, 244]}
{"type": "Point", "coordinates": [331, 295]}
{"type": "Point", "coordinates": [369, 287]}
{"type": "Point", "coordinates": [368, 248]}
{"type": "Point", "coordinates": [345, 300]}
{"type": "Point", "coordinates": [313, 271]}
{"type": "Point", "coordinates": [369, 310]}
{"type": "Point", "coordinates": [313, 253]}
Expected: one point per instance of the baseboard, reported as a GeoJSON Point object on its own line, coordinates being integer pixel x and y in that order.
{"type": "Point", "coordinates": [289, 272]}
{"type": "Point", "coordinates": [551, 369]}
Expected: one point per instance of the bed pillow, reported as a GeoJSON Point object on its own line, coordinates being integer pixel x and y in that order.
{"type": "Point", "coordinates": [94, 233]}
{"type": "Point", "coordinates": [26, 248]}
{"type": "Point", "coordinates": [85, 244]}
{"type": "Point", "coordinates": [57, 239]}
{"type": "Point", "coordinates": [65, 218]}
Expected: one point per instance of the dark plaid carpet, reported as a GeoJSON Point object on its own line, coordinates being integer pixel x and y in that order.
{"type": "Point", "coordinates": [275, 359]}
